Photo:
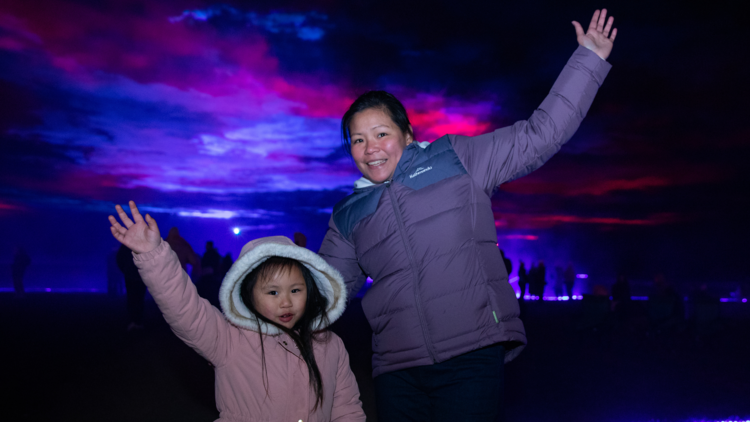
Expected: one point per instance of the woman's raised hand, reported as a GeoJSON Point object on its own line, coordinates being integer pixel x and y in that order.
{"type": "Point", "coordinates": [138, 234]}
{"type": "Point", "coordinates": [598, 38]}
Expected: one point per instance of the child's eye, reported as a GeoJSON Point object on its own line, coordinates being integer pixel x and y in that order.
{"type": "Point", "coordinates": [380, 135]}
{"type": "Point", "coordinates": [356, 141]}
{"type": "Point", "coordinates": [296, 290]}
{"type": "Point", "coordinates": [273, 292]}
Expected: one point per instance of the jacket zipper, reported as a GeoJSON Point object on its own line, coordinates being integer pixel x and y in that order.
{"type": "Point", "coordinates": [417, 299]}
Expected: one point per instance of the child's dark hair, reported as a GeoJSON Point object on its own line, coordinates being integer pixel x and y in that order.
{"type": "Point", "coordinates": [303, 333]}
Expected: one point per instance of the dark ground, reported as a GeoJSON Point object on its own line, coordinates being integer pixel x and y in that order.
{"type": "Point", "coordinates": [69, 357]}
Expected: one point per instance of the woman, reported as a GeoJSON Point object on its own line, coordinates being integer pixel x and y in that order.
{"type": "Point", "coordinates": [420, 224]}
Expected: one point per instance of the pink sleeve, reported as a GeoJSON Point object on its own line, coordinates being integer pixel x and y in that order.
{"type": "Point", "coordinates": [194, 320]}
{"type": "Point", "coordinates": [346, 403]}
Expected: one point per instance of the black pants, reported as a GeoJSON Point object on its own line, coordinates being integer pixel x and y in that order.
{"type": "Point", "coordinates": [468, 387]}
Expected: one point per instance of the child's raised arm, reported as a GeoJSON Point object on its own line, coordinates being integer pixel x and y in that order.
{"type": "Point", "coordinates": [192, 318]}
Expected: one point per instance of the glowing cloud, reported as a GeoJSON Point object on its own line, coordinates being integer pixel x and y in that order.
{"type": "Point", "coordinates": [300, 24]}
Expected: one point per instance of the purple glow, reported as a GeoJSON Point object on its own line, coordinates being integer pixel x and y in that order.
{"type": "Point", "coordinates": [744, 300]}
{"type": "Point", "coordinates": [582, 276]}
{"type": "Point", "coordinates": [723, 420]}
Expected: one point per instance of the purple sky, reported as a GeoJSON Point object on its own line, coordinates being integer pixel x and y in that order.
{"type": "Point", "coordinates": [219, 115]}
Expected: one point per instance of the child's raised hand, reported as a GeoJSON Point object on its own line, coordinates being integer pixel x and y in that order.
{"type": "Point", "coordinates": [598, 38]}
{"type": "Point", "coordinates": [138, 234]}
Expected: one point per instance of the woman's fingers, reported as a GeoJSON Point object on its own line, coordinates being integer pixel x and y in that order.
{"type": "Point", "coordinates": [594, 20]}
{"type": "Point", "coordinates": [123, 216]}
{"type": "Point", "coordinates": [609, 26]}
{"type": "Point", "coordinates": [579, 29]}
{"type": "Point", "coordinates": [602, 19]}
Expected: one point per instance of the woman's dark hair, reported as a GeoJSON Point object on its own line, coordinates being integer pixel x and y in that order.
{"type": "Point", "coordinates": [374, 99]}
{"type": "Point", "coordinates": [303, 333]}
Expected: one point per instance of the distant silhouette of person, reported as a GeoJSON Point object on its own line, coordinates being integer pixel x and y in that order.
{"type": "Point", "coordinates": [537, 279]}
{"type": "Point", "coordinates": [523, 279]}
{"type": "Point", "coordinates": [507, 262]}
{"type": "Point", "coordinates": [666, 310]}
{"type": "Point", "coordinates": [211, 260]}
{"type": "Point", "coordinates": [532, 279]}
{"type": "Point", "coordinates": [541, 278]}
{"type": "Point", "coordinates": [705, 311]}
{"type": "Point", "coordinates": [209, 282]}
{"type": "Point", "coordinates": [569, 279]}
{"type": "Point", "coordinates": [226, 264]}
{"type": "Point", "coordinates": [300, 239]}
{"type": "Point", "coordinates": [134, 287]}
{"type": "Point", "coordinates": [21, 262]}
{"type": "Point", "coordinates": [114, 275]}
{"type": "Point", "coordinates": [184, 251]}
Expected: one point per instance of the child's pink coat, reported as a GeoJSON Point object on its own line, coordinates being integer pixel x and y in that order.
{"type": "Point", "coordinates": [236, 355]}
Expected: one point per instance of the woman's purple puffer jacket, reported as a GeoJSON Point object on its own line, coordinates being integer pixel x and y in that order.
{"type": "Point", "coordinates": [428, 239]}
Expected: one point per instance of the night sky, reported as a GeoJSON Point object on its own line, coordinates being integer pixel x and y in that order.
{"type": "Point", "coordinates": [220, 115]}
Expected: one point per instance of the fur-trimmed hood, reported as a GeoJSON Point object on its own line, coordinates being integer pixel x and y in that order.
{"type": "Point", "coordinates": [329, 281]}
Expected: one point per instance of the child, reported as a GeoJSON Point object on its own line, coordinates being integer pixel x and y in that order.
{"type": "Point", "coordinates": [272, 359]}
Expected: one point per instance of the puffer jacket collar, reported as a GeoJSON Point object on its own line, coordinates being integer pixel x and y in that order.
{"type": "Point", "coordinates": [407, 158]}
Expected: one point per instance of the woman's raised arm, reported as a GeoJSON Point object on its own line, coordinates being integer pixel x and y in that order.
{"type": "Point", "coordinates": [514, 151]}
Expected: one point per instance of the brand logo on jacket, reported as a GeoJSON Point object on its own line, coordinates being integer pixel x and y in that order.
{"type": "Point", "coordinates": [420, 171]}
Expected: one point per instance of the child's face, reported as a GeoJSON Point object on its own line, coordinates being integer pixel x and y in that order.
{"type": "Point", "coordinates": [282, 299]}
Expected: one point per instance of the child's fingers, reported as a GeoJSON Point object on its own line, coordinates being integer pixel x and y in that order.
{"type": "Point", "coordinates": [614, 33]}
{"type": "Point", "coordinates": [134, 211]}
{"type": "Point", "coordinates": [152, 223]}
{"type": "Point", "coordinates": [116, 226]}
{"type": "Point", "coordinates": [124, 217]}
{"type": "Point", "coordinates": [116, 233]}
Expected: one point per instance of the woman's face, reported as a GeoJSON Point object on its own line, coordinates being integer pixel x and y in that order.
{"type": "Point", "coordinates": [377, 144]}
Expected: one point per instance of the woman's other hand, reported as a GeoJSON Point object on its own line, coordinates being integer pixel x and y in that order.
{"type": "Point", "coordinates": [139, 235]}
{"type": "Point", "coordinates": [598, 38]}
